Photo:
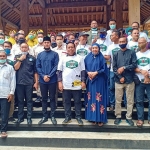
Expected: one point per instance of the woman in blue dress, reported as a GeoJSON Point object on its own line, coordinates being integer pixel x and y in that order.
{"type": "Point", "coordinates": [97, 87]}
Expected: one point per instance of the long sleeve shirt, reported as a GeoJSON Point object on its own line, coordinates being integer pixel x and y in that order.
{"type": "Point", "coordinates": [7, 80]}
{"type": "Point", "coordinates": [46, 64]}
{"type": "Point", "coordinates": [128, 60]}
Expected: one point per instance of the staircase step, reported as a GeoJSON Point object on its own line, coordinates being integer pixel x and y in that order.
{"type": "Point", "coordinates": [77, 140]}
{"type": "Point", "coordinates": [73, 126]}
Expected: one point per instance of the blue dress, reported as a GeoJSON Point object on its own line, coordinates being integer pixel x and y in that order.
{"type": "Point", "coordinates": [97, 89]}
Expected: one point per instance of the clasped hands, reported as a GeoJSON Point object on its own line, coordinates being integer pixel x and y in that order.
{"type": "Point", "coordinates": [92, 75]}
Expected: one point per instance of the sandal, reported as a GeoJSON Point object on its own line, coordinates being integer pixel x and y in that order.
{"type": "Point", "coordinates": [100, 124]}
{"type": "Point", "coordinates": [139, 123]}
{"type": "Point", "coordinates": [94, 123]}
{"type": "Point", "coordinates": [3, 135]}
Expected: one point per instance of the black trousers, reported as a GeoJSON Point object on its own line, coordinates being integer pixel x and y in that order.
{"type": "Point", "coordinates": [24, 92]}
{"type": "Point", "coordinates": [5, 107]}
{"type": "Point", "coordinates": [48, 89]}
{"type": "Point", "coordinates": [67, 95]}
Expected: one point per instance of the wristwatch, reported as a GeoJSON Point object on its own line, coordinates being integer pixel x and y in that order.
{"type": "Point", "coordinates": [124, 67]}
{"type": "Point", "coordinates": [19, 60]}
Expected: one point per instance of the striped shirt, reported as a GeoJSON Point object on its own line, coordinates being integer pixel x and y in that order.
{"type": "Point", "coordinates": [7, 80]}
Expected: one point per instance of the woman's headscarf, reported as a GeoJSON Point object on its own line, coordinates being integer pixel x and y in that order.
{"type": "Point", "coordinates": [95, 44]}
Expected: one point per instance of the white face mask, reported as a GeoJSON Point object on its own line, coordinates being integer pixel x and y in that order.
{"type": "Point", "coordinates": [40, 40]}
{"type": "Point", "coordinates": [60, 42]}
{"type": "Point", "coordinates": [24, 53]}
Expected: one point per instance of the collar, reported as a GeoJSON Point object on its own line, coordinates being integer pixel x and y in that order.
{"type": "Point", "coordinates": [72, 55]}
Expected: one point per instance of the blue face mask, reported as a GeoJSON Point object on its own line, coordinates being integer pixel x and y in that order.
{"type": "Point", "coordinates": [102, 36]}
{"type": "Point", "coordinates": [122, 46]}
{"type": "Point", "coordinates": [2, 61]}
{"type": "Point", "coordinates": [7, 51]}
{"type": "Point", "coordinates": [129, 33]}
{"type": "Point", "coordinates": [112, 27]}
{"type": "Point", "coordinates": [2, 41]}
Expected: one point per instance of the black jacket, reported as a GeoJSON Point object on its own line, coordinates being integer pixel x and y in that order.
{"type": "Point", "coordinates": [128, 60]}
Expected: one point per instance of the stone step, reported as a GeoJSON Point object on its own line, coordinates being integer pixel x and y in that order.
{"type": "Point", "coordinates": [73, 126]}
{"type": "Point", "coordinates": [77, 140]}
{"type": "Point", "coordinates": [37, 113]}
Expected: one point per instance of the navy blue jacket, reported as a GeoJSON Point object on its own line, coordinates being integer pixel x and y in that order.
{"type": "Point", "coordinates": [46, 64]}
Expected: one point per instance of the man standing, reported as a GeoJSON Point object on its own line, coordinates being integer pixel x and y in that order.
{"type": "Point", "coordinates": [46, 65]}
{"type": "Point", "coordinates": [143, 73]}
{"type": "Point", "coordinates": [83, 49]}
{"type": "Point", "coordinates": [36, 50]}
{"type": "Point", "coordinates": [93, 33]}
{"type": "Point", "coordinates": [7, 89]}
{"type": "Point", "coordinates": [109, 56]}
{"type": "Point", "coordinates": [124, 64]}
{"type": "Point", "coordinates": [10, 61]}
{"type": "Point", "coordinates": [71, 79]}
{"type": "Point", "coordinates": [26, 78]}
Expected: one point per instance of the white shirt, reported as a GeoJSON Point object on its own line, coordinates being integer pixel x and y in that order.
{"type": "Point", "coordinates": [133, 45]}
{"type": "Point", "coordinates": [7, 80]}
{"type": "Point", "coordinates": [16, 50]}
{"type": "Point", "coordinates": [110, 51]}
{"type": "Point", "coordinates": [71, 67]}
{"type": "Point", "coordinates": [83, 50]}
{"type": "Point", "coordinates": [143, 61]}
{"type": "Point", "coordinates": [142, 34]}
{"type": "Point", "coordinates": [104, 44]}
{"type": "Point", "coordinates": [61, 50]}
{"type": "Point", "coordinates": [37, 49]}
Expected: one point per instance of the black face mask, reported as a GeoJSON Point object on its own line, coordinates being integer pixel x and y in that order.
{"type": "Point", "coordinates": [20, 41]}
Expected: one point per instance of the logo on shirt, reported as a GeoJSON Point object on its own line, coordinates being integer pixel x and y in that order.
{"type": "Point", "coordinates": [71, 64]}
{"type": "Point", "coordinates": [143, 61]}
{"type": "Point", "coordinates": [134, 48]}
{"type": "Point", "coordinates": [103, 47]}
{"type": "Point", "coordinates": [115, 50]}
{"type": "Point", "coordinates": [82, 52]}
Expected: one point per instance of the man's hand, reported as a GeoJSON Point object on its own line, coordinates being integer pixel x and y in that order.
{"type": "Point", "coordinates": [122, 80]}
{"type": "Point", "coordinates": [83, 85]}
{"type": "Point", "coordinates": [46, 78]}
{"type": "Point", "coordinates": [147, 80]}
{"type": "Point", "coordinates": [23, 57]}
{"type": "Point", "coordinates": [94, 40]}
{"type": "Point", "coordinates": [10, 97]}
{"type": "Point", "coordinates": [60, 86]}
{"type": "Point", "coordinates": [145, 73]}
{"type": "Point", "coordinates": [120, 70]}
{"type": "Point", "coordinates": [36, 85]}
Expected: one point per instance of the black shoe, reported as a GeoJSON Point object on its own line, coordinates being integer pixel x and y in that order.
{"type": "Point", "coordinates": [19, 121]}
{"type": "Point", "coordinates": [38, 99]}
{"type": "Point", "coordinates": [53, 120]}
{"type": "Point", "coordinates": [130, 122]}
{"type": "Point", "coordinates": [42, 121]}
{"type": "Point", "coordinates": [66, 121]}
{"type": "Point", "coordinates": [80, 122]}
{"type": "Point", "coordinates": [11, 119]}
{"type": "Point", "coordinates": [29, 122]}
{"type": "Point", "coordinates": [117, 121]}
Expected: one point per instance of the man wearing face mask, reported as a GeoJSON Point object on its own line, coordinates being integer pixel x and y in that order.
{"type": "Point", "coordinates": [112, 25]}
{"type": "Point", "coordinates": [143, 73]}
{"type": "Point", "coordinates": [7, 89]}
{"type": "Point", "coordinates": [38, 49]}
{"type": "Point", "coordinates": [124, 64]}
{"type": "Point", "coordinates": [26, 78]}
{"type": "Point", "coordinates": [61, 46]}
{"type": "Point", "coordinates": [10, 61]}
{"type": "Point", "coordinates": [46, 65]}
{"type": "Point", "coordinates": [2, 39]}
{"type": "Point", "coordinates": [93, 33]}
{"type": "Point", "coordinates": [16, 47]}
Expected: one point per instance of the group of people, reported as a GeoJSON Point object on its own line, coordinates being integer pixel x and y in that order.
{"type": "Point", "coordinates": [110, 66]}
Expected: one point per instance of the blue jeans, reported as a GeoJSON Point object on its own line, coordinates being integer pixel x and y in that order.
{"type": "Point", "coordinates": [112, 91]}
{"type": "Point", "coordinates": [5, 107]}
{"type": "Point", "coordinates": [140, 91]}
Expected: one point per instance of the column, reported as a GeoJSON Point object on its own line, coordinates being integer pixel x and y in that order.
{"type": "Point", "coordinates": [44, 21]}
